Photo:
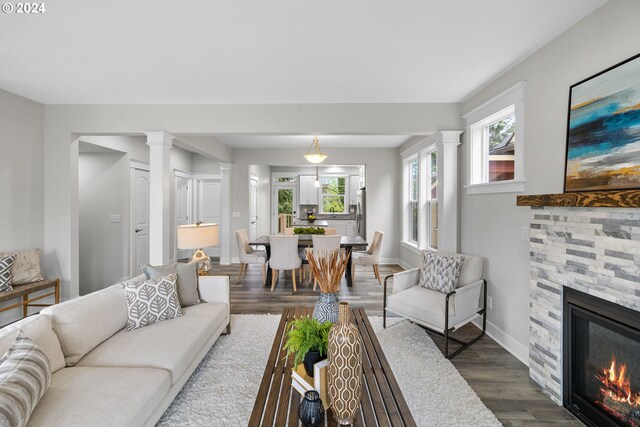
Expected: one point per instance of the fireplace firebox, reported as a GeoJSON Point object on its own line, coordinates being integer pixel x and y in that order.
{"type": "Point", "coordinates": [601, 361]}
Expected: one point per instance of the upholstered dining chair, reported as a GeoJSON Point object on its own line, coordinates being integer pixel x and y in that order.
{"type": "Point", "coordinates": [323, 244]}
{"type": "Point", "coordinates": [369, 257]}
{"type": "Point", "coordinates": [433, 305]}
{"type": "Point", "coordinates": [248, 255]}
{"type": "Point", "coordinates": [284, 256]}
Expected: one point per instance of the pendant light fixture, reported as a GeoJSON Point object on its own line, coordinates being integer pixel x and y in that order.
{"type": "Point", "coordinates": [314, 155]}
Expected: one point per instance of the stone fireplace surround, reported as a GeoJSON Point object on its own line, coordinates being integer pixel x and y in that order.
{"type": "Point", "coordinates": [593, 250]}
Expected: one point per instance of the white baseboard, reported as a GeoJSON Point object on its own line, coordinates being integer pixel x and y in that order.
{"type": "Point", "coordinates": [506, 341]}
{"type": "Point", "coordinates": [235, 260]}
{"type": "Point", "coordinates": [225, 261]}
{"type": "Point", "coordinates": [404, 264]}
{"type": "Point", "coordinates": [387, 261]}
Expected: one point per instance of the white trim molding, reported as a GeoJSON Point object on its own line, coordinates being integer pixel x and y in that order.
{"type": "Point", "coordinates": [511, 186]}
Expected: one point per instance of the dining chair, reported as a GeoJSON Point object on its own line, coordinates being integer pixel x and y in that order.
{"type": "Point", "coordinates": [369, 257]}
{"type": "Point", "coordinates": [249, 256]}
{"type": "Point", "coordinates": [323, 245]}
{"type": "Point", "coordinates": [284, 256]}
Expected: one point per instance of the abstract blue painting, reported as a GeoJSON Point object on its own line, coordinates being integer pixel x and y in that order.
{"type": "Point", "coordinates": [603, 135]}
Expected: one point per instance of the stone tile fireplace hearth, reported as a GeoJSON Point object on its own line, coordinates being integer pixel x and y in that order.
{"type": "Point", "coordinates": [593, 250]}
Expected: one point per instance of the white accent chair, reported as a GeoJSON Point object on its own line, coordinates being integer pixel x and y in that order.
{"type": "Point", "coordinates": [284, 256]}
{"type": "Point", "coordinates": [370, 257]}
{"type": "Point", "coordinates": [436, 311]}
{"type": "Point", "coordinates": [249, 256]}
{"type": "Point", "coordinates": [324, 244]}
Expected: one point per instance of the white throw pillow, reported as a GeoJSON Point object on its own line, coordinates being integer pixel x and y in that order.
{"type": "Point", "coordinates": [25, 374]}
{"type": "Point", "coordinates": [26, 269]}
{"type": "Point", "coordinates": [152, 301]}
{"type": "Point", "coordinates": [440, 272]}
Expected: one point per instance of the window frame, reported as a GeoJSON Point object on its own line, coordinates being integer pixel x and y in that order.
{"type": "Point", "coordinates": [413, 208]}
{"type": "Point", "coordinates": [476, 121]}
{"type": "Point", "coordinates": [345, 196]}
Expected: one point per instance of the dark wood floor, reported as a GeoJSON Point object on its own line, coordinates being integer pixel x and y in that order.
{"type": "Point", "coordinates": [501, 380]}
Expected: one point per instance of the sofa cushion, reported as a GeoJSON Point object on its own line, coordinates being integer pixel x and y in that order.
{"type": "Point", "coordinates": [25, 374]}
{"type": "Point", "coordinates": [471, 270]}
{"type": "Point", "coordinates": [170, 345]}
{"type": "Point", "coordinates": [38, 329]}
{"type": "Point", "coordinates": [83, 323]}
{"type": "Point", "coordinates": [151, 301]}
{"type": "Point", "coordinates": [440, 272]}
{"type": "Point", "coordinates": [423, 304]}
{"type": "Point", "coordinates": [26, 269]}
{"type": "Point", "coordinates": [79, 397]}
{"type": "Point", "coordinates": [187, 279]}
{"type": "Point", "coordinates": [6, 266]}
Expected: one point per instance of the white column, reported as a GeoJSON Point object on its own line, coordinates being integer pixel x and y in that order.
{"type": "Point", "coordinates": [447, 143]}
{"type": "Point", "coordinates": [226, 170]}
{"type": "Point", "coordinates": [159, 143]}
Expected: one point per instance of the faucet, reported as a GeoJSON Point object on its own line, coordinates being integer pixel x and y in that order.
{"type": "Point", "coordinates": [333, 212]}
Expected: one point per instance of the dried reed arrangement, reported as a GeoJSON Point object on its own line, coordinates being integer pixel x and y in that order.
{"type": "Point", "coordinates": [327, 267]}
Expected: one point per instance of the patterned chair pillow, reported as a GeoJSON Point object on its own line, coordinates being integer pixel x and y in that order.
{"type": "Point", "coordinates": [27, 266]}
{"type": "Point", "coordinates": [25, 374]}
{"type": "Point", "coordinates": [151, 301]}
{"type": "Point", "coordinates": [6, 273]}
{"type": "Point", "coordinates": [440, 272]}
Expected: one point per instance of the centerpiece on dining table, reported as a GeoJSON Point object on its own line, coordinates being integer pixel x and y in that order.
{"type": "Point", "coordinates": [327, 268]}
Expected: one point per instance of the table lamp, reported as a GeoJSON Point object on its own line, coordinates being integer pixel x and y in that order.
{"type": "Point", "coordinates": [198, 236]}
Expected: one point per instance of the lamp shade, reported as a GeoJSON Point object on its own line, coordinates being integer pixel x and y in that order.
{"type": "Point", "coordinates": [196, 236]}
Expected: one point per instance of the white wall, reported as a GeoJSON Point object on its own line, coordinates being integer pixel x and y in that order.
{"type": "Point", "coordinates": [21, 178]}
{"type": "Point", "coordinates": [205, 165]}
{"type": "Point", "coordinates": [103, 191]}
{"type": "Point", "coordinates": [382, 185]}
{"type": "Point", "coordinates": [491, 223]}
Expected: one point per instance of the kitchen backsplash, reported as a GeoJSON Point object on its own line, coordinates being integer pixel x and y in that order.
{"type": "Point", "coordinates": [350, 216]}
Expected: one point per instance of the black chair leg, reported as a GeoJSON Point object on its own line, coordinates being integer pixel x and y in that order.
{"type": "Point", "coordinates": [384, 302]}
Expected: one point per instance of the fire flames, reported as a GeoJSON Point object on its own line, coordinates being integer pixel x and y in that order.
{"type": "Point", "coordinates": [616, 385]}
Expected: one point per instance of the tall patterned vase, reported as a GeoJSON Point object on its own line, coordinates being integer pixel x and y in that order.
{"type": "Point", "coordinates": [326, 308]}
{"type": "Point", "coordinates": [345, 368]}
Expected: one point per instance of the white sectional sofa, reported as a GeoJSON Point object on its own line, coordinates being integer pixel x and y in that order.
{"type": "Point", "coordinates": [106, 376]}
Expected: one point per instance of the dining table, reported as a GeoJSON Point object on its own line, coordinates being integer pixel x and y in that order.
{"type": "Point", "coordinates": [306, 241]}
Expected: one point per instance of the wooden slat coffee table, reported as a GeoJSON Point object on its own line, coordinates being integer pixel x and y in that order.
{"type": "Point", "coordinates": [382, 403]}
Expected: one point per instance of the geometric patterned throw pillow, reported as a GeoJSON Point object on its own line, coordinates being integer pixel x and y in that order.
{"type": "Point", "coordinates": [151, 301]}
{"type": "Point", "coordinates": [440, 272]}
{"type": "Point", "coordinates": [25, 374]}
{"type": "Point", "coordinates": [6, 263]}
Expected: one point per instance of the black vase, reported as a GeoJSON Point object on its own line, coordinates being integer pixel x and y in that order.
{"type": "Point", "coordinates": [311, 411]}
{"type": "Point", "coordinates": [310, 359]}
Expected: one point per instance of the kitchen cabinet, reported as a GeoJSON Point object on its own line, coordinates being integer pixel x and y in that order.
{"type": "Point", "coordinates": [308, 191]}
{"type": "Point", "coordinates": [343, 227]}
{"type": "Point", "coordinates": [354, 186]}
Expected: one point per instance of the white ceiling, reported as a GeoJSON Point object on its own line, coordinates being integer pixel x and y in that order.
{"type": "Point", "coordinates": [286, 51]}
{"type": "Point", "coordinates": [304, 141]}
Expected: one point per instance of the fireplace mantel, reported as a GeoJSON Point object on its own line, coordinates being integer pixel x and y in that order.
{"type": "Point", "coordinates": [595, 199]}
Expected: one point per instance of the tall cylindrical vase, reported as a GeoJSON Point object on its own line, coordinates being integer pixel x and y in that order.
{"type": "Point", "coordinates": [345, 368]}
{"type": "Point", "coordinates": [326, 308]}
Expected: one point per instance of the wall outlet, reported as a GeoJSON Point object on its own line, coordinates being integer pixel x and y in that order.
{"type": "Point", "coordinates": [524, 234]}
{"type": "Point", "coordinates": [490, 303]}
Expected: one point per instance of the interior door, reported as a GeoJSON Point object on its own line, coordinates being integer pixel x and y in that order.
{"type": "Point", "coordinates": [209, 208]}
{"type": "Point", "coordinates": [139, 220]}
{"type": "Point", "coordinates": [253, 208]}
{"type": "Point", "coordinates": [284, 201]}
{"type": "Point", "coordinates": [182, 212]}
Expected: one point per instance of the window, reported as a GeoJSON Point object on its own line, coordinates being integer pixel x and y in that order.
{"type": "Point", "coordinates": [333, 194]}
{"type": "Point", "coordinates": [496, 144]}
{"type": "Point", "coordinates": [414, 191]}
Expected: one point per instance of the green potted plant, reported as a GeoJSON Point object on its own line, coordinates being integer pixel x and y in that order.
{"type": "Point", "coordinates": [307, 340]}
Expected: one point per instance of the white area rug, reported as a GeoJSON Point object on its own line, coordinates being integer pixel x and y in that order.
{"type": "Point", "coordinates": [222, 390]}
